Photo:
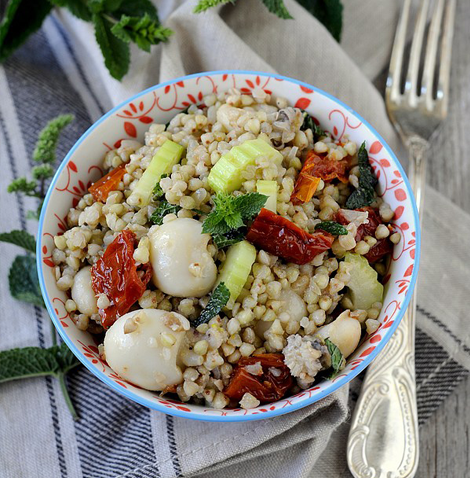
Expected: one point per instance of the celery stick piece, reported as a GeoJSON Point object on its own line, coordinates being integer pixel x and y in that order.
{"type": "Point", "coordinates": [165, 158]}
{"type": "Point", "coordinates": [236, 268]}
{"type": "Point", "coordinates": [226, 175]}
{"type": "Point", "coordinates": [268, 188]}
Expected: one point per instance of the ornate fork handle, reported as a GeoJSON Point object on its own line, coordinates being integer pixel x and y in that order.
{"type": "Point", "coordinates": [383, 441]}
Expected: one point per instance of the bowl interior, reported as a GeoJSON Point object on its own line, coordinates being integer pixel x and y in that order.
{"type": "Point", "coordinates": [130, 120]}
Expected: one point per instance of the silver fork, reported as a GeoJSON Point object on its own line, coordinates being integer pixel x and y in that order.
{"type": "Point", "coordinates": [383, 439]}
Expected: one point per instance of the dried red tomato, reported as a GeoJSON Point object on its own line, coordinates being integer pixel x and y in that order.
{"type": "Point", "coordinates": [326, 169]}
{"type": "Point", "coordinates": [305, 187]}
{"type": "Point", "coordinates": [116, 276]}
{"type": "Point", "coordinates": [380, 250]}
{"type": "Point", "coordinates": [270, 386]}
{"type": "Point", "coordinates": [101, 189]}
{"type": "Point", "coordinates": [283, 238]}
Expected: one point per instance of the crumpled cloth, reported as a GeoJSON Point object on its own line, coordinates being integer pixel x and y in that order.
{"type": "Point", "coordinates": [62, 70]}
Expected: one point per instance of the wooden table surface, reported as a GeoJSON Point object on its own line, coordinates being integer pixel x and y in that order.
{"type": "Point", "coordinates": [445, 437]}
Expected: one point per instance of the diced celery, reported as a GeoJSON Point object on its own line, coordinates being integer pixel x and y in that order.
{"type": "Point", "coordinates": [364, 287]}
{"type": "Point", "coordinates": [268, 188]}
{"type": "Point", "coordinates": [226, 175]}
{"type": "Point", "coordinates": [165, 158]}
{"type": "Point", "coordinates": [236, 268]}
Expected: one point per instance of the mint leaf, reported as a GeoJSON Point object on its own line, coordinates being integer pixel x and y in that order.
{"type": "Point", "coordinates": [138, 8]}
{"type": "Point", "coordinates": [35, 362]}
{"type": "Point", "coordinates": [204, 5]}
{"type": "Point", "coordinates": [337, 359]}
{"type": "Point", "coordinates": [45, 150]}
{"type": "Point", "coordinates": [24, 186]}
{"type": "Point", "coordinates": [309, 123]}
{"type": "Point", "coordinates": [228, 239]}
{"type": "Point", "coordinates": [328, 12]}
{"type": "Point", "coordinates": [143, 31]}
{"type": "Point", "coordinates": [98, 6]}
{"type": "Point", "coordinates": [250, 204]}
{"type": "Point", "coordinates": [157, 190]}
{"type": "Point", "coordinates": [19, 238]}
{"type": "Point", "coordinates": [364, 195]}
{"type": "Point", "coordinates": [23, 281]}
{"type": "Point", "coordinates": [332, 227]}
{"type": "Point", "coordinates": [163, 209]}
{"type": "Point", "coordinates": [115, 51]}
{"type": "Point", "coordinates": [278, 8]}
{"type": "Point", "coordinates": [21, 19]}
{"type": "Point", "coordinates": [217, 302]}
{"type": "Point", "coordinates": [76, 7]}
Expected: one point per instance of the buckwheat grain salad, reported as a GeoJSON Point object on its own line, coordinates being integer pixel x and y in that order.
{"type": "Point", "coordinates": [233, 258]}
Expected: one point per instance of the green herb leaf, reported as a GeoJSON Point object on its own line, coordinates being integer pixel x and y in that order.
{"type": "Point", "coordinates": [19, 238]}
{"type": "Point", "coordinates": [98, 6]}
{"type": "Point", "coordinates": [204, 5]}
{"type": "Point", "coordinates": [364, 195]}
{"type": "Point", "coordinates": [309, 123]}
{"type": "Point", "coordinates": [217, 302]}
{"type": "Point", "coordinates": [163, 209]}
{"type": "Point", "coordinates": [332, 227]}
{"type": "Point", "coordinates": [138, 8]}
{"type": "Point", "coordinates": [75, 7]}
{"type": "Point", "coordinates": [23, 281]}
{"type": "Point", "coordinates": [21, 19]}
{"type": "Point", "coordinates": [228, 239]}
{"type": "Point", "coordinates": [231, 212]}
{"type": "Point", "coordinates": [35, 362]}
{"type": "Point", "coordinates": [278, 8]}
{"type": "Point", "coordinates": [337, 359]}
{"type": "Point", "coordinates": [143, 31]}
{"type": "Point", "coordinates": [45, 151]}
{"type": "Point", "coordinates": [42, 172]}
{"type": "Point", "coordinates": [22, 185]}
{"type": "Point", "coordinates": [157, 190]}
{"type": "Point", "coordinates": [328, 12]}
{"type": "Point", "coordinates": [115, 51]}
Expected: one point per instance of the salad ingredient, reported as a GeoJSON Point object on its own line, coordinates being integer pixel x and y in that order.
{"type": "Point", "coordinates": [228, 239]}
{"type": "Point", "coordinates": [364, 195]}
{"type": "Point", "coordinates": [325, 168]}
{"type": "Point", "coordinates": [268, 188]}
{"type": "Point", "coordinates": [116, 276]}
{"type": "Point", "coordinates": [157, 190]}
{"type": "Point", "coordinates": [165, 158]}
{"type": "Point", "coordinates": [272, 384]}
{"type": "Point", "coordinates": [344, 332]}
{"type": "Point", "coordinates": [364, 287]}
{"type": "Point", "coordinates": [302, 358]}
{"type": "Point", "coordinates": [82, 292]}
{"type": "Point", "coordinates": [293, 305]}
{"type": "Point", "coordinates": [162, 210]}
{"type": "Point", "coordinates": [337, 359]}
{"type": "Point", "coordinates": [110, 182]}
{"type": "Point", "coordinates": [217, 302]}
{"type": "Point", "coordinates": [380, 250]}
{"type": "Point", "coordinates": [281, 237]}
{"type": "Point", "coordinates": [309, 123]}
{"type": "Point", "coordinates": [182, 265]}
{"type": "Point", "coordinates": [304, 188]}
{"type": "Point", "coordinates": [226, 175]}
{"type": "Point", "coordinates": [231, 212]}
{"type": "Point", "coordinates": [142, 347]}
{"type": "Point", "coordinates": [332, 227]}
{"type": "Point", "coordinates": [236, 268]}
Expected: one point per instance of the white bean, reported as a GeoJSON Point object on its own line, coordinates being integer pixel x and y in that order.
{"type": "Point", "coordinates": [82, 293]}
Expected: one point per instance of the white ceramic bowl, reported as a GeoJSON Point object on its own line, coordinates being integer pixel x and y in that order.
{"type": "Point", "coordinates": [159, 104]}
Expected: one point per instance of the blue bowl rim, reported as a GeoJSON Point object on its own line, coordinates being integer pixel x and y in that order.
{"type": "Point", "coordinates": [228, 418]}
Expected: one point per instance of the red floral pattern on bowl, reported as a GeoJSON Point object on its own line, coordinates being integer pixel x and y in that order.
{"type": "Point", "coordinates": [159, 104]}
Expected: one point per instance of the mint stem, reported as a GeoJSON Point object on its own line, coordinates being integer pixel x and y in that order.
{"type": "Point", "coordinates": [65, 393]}
{"type": "Point", "coordinates": [53, 334]}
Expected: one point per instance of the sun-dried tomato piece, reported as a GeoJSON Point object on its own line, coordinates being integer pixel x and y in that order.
{"type": "Point", "coordinates": [270, 386]}
{"type": "Point", "coordinates": [380, 250]}
{"type": "Point", "coordinates": [325, 168]}
{"type": "Point", "coordinates": [109, 182]}
{"type": "Point", "coordinates": [283, 238]}
{"type": "Point", "coordinates": [304, 189]}
{"type": "Point", "coordinates": [116, 276]}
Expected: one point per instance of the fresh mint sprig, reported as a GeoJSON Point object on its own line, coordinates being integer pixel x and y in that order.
{"type": "Point", "coordinates": [337, 359]}
{"type": "Point", "coordinates": [218, 300]}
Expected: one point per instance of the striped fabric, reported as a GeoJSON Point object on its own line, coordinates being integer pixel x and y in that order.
{"type": "Point", "coordinates": [115, 437]}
